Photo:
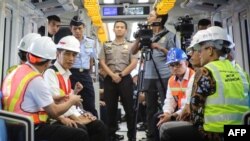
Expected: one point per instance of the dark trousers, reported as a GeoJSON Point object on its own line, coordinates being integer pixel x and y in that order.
{"type": "Point", "coordinates": [181, 133]}
{"type": "Point", "coordinates": [112, 91]}
{"type": "Point", "coordinates": [58, 132]}
{"type": "Point", "coordinates": [88, 93]}
{"type": "Point", "coordinates": [153, 89]}
{"type": "Point", "coordinates": [97, 131]}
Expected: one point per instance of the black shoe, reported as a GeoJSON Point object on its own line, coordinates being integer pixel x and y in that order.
{"type": "Point", "coordinates": [119, 137]}
{"type": "Point", "coordinates": [142, 127]}
{"type": "Point", "coordinates": [113, 139]}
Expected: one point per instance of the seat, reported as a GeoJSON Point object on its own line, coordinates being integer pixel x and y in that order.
{"type": "Point", "coordinates": [246, 118]}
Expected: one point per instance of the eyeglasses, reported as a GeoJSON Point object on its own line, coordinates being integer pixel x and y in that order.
{"type": "Point", "coordinates": [175, 64]}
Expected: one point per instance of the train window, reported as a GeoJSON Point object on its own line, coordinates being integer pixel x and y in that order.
{"type": "Point", "coordinates": [133, 30]}
{"type": "Point", "coordinates": [110, 31]}
{"type": "Point", "coordinates": [21, 28]}
{"type": "Point", "coordinates": [244, 30]}
{"type": "Point", "coordinates": [7, 41]}
{"type": "Point", "coordinates": [230, 27]}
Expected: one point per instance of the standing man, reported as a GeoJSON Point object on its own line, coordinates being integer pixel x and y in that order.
{"type": "Point", "coordinates": [82, 66]}
{"type": "Point", "coordinates": [153, 85]}
{"type": "Point", "coordinates": [54, 23]}
{"type": "Point", "coordinates": [203, 24]}
{"type": "Point", "coordinates": [25, 92]}
{"type": "Point", "coordinates": [118, 62]}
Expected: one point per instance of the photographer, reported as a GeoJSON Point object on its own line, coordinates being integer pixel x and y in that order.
{"type": "Point", "coordinates": [154, 83]}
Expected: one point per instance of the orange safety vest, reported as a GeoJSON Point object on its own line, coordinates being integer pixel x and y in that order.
{"type": "Point", "coordinates": [14, 87]}
{"type": "Point", "coordinates": [178, 89]}
{"type": "Point", "coordinates": [62, 84]}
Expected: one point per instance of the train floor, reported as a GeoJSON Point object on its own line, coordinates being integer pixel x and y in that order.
{"type": "Point", "coordinates": [140, 135]}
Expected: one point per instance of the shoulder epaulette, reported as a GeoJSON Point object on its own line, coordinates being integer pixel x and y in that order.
{"type": "Point", "coordinates": [90, 38]}
{"type": "Point", "coordinates": [107, 42]}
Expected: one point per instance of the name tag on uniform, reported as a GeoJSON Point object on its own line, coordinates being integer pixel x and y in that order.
{"type": "Point", "coordinates": [125, 47]}
{"type": "Point", "coordinates": [88, 45]}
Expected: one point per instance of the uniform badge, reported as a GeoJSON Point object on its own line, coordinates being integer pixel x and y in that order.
{"type": "Point", "coordinates": [88, 45]}
{"type": "Point", "coordinates": [125, 47]}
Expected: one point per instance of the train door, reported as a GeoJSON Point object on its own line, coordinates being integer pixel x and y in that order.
{"type": "Point", "coordinates": [6, 56]}
{"type": "Point", "coordinates": [244, 30]}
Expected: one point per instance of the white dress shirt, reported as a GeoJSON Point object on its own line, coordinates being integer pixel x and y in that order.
{"type": "Point", "coordinates": [37, 94]}
{"type": "Point", "coordinates": [170, 103]}
{"type": "Point", "coordinates": [51, 78]}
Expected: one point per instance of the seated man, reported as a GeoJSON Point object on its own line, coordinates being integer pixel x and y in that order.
{"type": "Point", "coordinates": [25, 92]}
{"type": "Point", "coordinates": [220, 92]}
{"type": "Point", "coordinates": [177, 85]}
{"type": "Point", "coordinates": [23, 49]}
{"type": "Point", "coordinates": [57, 76]}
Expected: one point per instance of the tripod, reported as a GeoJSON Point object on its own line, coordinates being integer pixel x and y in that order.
{"type": "Point", "coordinates": [146, 55]}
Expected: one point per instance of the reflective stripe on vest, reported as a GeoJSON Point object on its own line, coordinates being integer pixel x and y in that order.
{"type": "Point", "coordinates": [178, 89]}
{"type": "Point", "coordinates": [229, 102]}
{"type": "Point", "coordinates": [63, 88]}
{"type": "Point", "coordinates": [62, 84]}
{"type": "Point", "coordinates": [13, 97]}
{"type": "Point", "coordinates": [244, 78]}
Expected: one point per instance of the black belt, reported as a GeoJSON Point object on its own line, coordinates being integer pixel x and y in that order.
{"type": "Point", "coordinates": [79, 69]}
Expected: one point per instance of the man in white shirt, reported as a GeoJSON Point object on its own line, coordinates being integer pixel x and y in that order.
{"type": "Point", "coordinates": [177, 87]}
{"type": "Point", "coordinates": [57, 76]}
{"type": "Point", "coordinates": [25, 92]}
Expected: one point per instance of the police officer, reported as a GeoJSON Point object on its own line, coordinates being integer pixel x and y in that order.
{"type": "Point", "coordinates": [82, 65]}
{"type": "Point", "coordinates": [116, 60]}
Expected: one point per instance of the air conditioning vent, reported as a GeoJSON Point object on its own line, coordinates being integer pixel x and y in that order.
{"type": "Point", "coordinates": [204, 5]}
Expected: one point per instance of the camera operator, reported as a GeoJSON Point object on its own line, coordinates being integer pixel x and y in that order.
{"type": "Point", "coordinates": [154, 83]}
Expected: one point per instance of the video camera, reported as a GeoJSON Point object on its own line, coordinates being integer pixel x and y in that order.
{"type": "Point", "coordinates": [145, 34]}
{"type": "Point", "coordinates": [185, 26]}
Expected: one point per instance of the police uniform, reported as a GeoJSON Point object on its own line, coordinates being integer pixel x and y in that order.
{"type": "Point", "coordinates": [117, 57]}
{"type": "Point", "coordinates": [80, 73]}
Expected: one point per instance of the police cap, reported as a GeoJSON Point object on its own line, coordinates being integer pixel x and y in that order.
{"type": "Point", "coordinates": [76, 21]}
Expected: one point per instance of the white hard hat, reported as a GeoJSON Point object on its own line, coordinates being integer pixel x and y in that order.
{"type": "Point", "coordinates": [43, 47]}
{"type": "Point", "coordinates": [27, 40]}
{"type": "Point", "coordinates": [69, 43]}
{"type": "Point", "coordinates": [200, 36]}
{"type": "Point", "coordinates": [218, 33]}
{"type": "Point", "coordinates": [213, 33]}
